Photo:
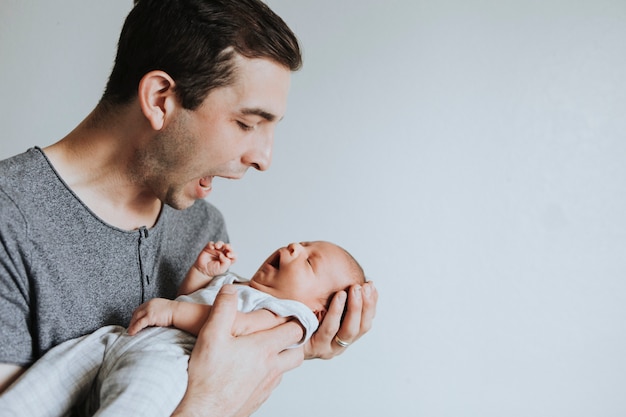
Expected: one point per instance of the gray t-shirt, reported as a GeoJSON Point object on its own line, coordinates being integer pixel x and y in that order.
{"type": "Point", "coordinates": [64, 272]}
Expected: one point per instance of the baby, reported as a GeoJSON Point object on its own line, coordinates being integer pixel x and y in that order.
{"type": "Point", "coordinates": [308, 272]}
{"type": "Point", "coordinates": [114, 372]}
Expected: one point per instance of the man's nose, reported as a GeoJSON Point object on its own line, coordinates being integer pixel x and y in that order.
{"type": "Point", "coordinates": [260, 156]}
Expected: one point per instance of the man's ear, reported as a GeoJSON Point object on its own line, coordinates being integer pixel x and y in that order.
{"type": "Point", "coordinates": [157, 97]}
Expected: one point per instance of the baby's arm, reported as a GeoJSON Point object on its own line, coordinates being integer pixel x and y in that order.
{"type": "Point", "coordinates": [190, 317]}
{"type": "Point", "coordinates": [215, 259]}
{"type": "Point", "coordinates": [164, 313]}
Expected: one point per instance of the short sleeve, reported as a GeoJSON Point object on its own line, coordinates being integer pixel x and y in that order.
{"type": "Point", "coordinates": [15, 336]}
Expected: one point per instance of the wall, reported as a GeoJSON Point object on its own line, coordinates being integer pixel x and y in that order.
{"type": "Point", "coordinates": [470, 153]}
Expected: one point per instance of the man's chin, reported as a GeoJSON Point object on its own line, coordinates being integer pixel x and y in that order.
{"type": "Point", "coordinates": [179, 202]}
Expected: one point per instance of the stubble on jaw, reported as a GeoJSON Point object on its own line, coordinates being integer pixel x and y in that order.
{"type": "Point", "coordinates": [161, 165]}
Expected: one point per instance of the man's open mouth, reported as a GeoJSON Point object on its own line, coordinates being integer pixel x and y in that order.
{"type": "Point", "coordinates": [206, 182]}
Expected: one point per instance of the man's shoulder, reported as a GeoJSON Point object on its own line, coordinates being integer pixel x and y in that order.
{"type": "Point", "coordinates": [27, 180]}
{"type": "Point", "coordinates": [21, 180]}
{"type": "Point", "coordinates": [18, 170]}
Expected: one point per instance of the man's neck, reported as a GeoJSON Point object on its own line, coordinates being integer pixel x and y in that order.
{"type": "Point", "coordinates": [94, 163]}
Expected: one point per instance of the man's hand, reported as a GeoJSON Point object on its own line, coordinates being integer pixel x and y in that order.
{"type": "Point", "coordinates": [232, 376]}
{"type": "Point", "coordinates": [327, 341]}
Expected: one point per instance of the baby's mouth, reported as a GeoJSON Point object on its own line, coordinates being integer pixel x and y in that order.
{"type": "Point", "coordinates": [275, 261]}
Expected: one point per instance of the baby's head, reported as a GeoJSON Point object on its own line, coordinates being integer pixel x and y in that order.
{"type": "Point", "coordinates": [309, 272]}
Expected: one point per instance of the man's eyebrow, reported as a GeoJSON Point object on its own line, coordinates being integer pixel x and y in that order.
{"type": "Point", "coordinates": [259, 112]}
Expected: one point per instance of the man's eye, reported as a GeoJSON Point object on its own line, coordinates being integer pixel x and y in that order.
{"type": "Point", "coordinates": [244, 127]}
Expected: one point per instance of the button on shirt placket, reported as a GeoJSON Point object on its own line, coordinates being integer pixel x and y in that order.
{"type": "Point", "coordinates": [145, 255]}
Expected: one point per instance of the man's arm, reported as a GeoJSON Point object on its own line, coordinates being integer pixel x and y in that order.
{"type": "Point", "coordinates": [15, 335]}
{"type": "Point", "coordinates": [8, 374]}
{"type": "Point", "coordinates": [231, 376]}
{"type": "Point", "coordinates": [359, 314]}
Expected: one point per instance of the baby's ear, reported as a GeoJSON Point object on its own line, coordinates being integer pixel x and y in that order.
{"type": "Point", "coordinates": [320, 314]}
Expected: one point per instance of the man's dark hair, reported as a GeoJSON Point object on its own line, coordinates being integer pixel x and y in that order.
{"type": "Point", "coordinates": [195, 42]}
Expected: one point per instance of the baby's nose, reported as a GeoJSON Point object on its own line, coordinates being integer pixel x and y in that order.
{"type": "Point", "coordinates": [294, 248]}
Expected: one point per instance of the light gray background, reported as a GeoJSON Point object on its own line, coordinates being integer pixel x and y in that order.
{"type": "Point", "coordinates": [470, 153]}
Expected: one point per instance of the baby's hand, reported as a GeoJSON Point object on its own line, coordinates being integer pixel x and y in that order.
{"type": "Point", "coordinates": [156, 312]}
{"type": "Point", "coordinates": [215, 258]}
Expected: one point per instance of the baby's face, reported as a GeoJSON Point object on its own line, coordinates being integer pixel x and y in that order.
{"type": "Point", "coordinates": [307, 272]}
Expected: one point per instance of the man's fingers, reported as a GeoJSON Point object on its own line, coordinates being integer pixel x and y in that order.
{"type": "Point", "coordinates": [351, 325]}
{"type": "Point", "coordinates": [280, 337]}
{"type": "Point", "coordinates": [223, 312]}
{"type": "Point", "coordinates": [332, 320]}
{"type": "Point", "coordinates": [336, 333]}
{"type": "Point", "coordinates": [370, 299]}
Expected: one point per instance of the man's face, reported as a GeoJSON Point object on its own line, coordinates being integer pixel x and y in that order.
{"type": "Point", "coordinates": [308, 272]}
{"type": "Point", "coordinates": [231, 131]}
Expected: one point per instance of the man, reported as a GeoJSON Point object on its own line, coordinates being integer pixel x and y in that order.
{"type": "Point", "coordinates": [100, 221]}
